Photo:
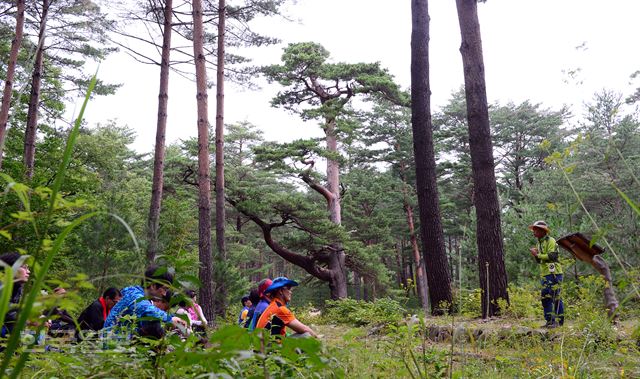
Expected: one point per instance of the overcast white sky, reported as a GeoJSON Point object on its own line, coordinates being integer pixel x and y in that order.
{"type": "Point", "coordinates": [527, 46]}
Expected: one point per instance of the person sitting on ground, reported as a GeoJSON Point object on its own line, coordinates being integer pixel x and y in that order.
{"type": "Point", "coordinates": [246, 305]}
{"type": "Point", "coordinates": [163, 302]}
{"type": "Point", "coordinates": [254, 297]}
{"type": "Point", "coordinates": [135, 302]}
{"type": "Point", "coordinates": [62, 325]}
{"type": "Point", "coordinates": [264, 302]}
{"type": "Point", "coordinates": [194, 312]}
{"type": "Point", "coordinates": [94, 316]}
{"type": "Point", "coordinates": [277, 317]}
{"type": "Point", "coordinates": [20, 277]}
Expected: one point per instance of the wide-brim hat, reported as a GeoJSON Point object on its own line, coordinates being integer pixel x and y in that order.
{"type": "Point", "coordinates": [540, 224]}
{"type": "Point", "coordinates": [280, 282]}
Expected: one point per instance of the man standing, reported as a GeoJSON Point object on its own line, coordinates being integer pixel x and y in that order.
{"type": "Point", "coordinates": [546, 254]}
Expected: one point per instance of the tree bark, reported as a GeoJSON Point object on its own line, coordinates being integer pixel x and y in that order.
{"type": "Point", "coordinates": [155, 207]}
{"type": "Point", "coordinates": [489, 233]}
{"type": "Point", "coordinates": [430, 225]}
{"type": "Point", "coordinates": [421, 283]}
{"type": "Point", "coordinates": [11, 70]}
{"type": "Point", "coordinates": [357, 286]}
{"type": "Point", "coordinates": [34, 98]}
{"type": "Point", "coordinates": [338, 283]}
{"type": "Point", "coordinates": [219, 282]}
{"type": "Point", "coordinates": [204, 183]}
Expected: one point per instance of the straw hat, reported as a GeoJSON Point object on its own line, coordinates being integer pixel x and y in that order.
{"type": "Point", "coordinates": [540, 224]}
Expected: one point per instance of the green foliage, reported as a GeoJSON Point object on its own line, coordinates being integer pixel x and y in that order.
{"type": "Point", "coordinates": [524, 302]}
{"type": "Point", "coordinates": [470, 303]}
{"type": "Point", "coordinates": [384, 311]}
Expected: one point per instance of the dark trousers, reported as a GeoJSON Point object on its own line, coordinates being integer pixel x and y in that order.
{"type": "Point", "coordinates": [551, 301]}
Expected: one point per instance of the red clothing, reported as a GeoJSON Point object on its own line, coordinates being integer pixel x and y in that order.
{"type": "Point", "coordinates": [104, 308]}
{"type": "Point", "coordinates": [276, 317]}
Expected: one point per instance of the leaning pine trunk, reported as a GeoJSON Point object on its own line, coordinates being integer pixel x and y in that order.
{"type": "Point", "coordinates": [430, 225]}
{"type": "Point", "coordinates": [220, 293]}
{"type": "Point", "coordinates": [158, 159]}
{"type": "Point", "coordinates": [493, 277]}
{"type": "Point", "coordinates": [204, 184]}
{"type": "Point", "coordinates": [11, 69]}
{"type": "Point", "coordinates": [34, 99]}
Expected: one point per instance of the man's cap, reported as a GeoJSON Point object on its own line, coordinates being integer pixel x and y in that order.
{"type": "Point", "coordinates": [280, 282]}
{"type": "Point", "coordinates": [540, 224]}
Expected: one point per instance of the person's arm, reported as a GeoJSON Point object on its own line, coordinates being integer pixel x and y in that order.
{"type": "Point", "coordinates": [147, 309]}
{"type": "Point", "coordinates": [549, 251]}
{"type": "Point", "coordinates": [301, 328]}
{"type": "Point", "coordinates": [203, 320]}
{"type": "Point", "coordinates": [115, 312]}
{"type": "Point", "coordinates": [292, 322]}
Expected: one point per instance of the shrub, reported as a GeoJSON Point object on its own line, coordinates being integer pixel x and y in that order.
{"type": "Point", "coordinates": [360, 313]}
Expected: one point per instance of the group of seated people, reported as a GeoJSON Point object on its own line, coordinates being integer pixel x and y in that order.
{"type": "Point", "coordinates": [144, 309]}
{"type": "Point", "coordinates": [140, 309]}
{"type": "Point", "coordinates": [266, 307]}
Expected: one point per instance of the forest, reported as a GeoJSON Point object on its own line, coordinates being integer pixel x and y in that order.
{"type": "Point", "coordinates": [419, 241]}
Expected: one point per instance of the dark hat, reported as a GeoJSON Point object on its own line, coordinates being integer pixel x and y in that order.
{"type": "Point", "coordinates": [280, 282]}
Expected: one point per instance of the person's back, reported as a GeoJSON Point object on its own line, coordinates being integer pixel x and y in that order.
{"type": "Point", "coordinates": [94, 316]}
{"type": "Point", "coordinates": [262, 304]}
{"type": "Point", "coordinates": [134, 304]}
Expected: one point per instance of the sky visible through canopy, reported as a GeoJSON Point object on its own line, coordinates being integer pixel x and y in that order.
{"type": "Point", "coordinates": [530, 47]}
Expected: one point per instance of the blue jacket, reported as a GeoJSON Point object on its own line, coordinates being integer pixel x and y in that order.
{"type": "Point", "coordinates": [133, 303]}
{"type": "Point", "coordinates": [262, 305]}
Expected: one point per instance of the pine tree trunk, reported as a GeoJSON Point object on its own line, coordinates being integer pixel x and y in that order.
{"type": "Point", "coordinates": [11, 70]}
{"type": "Point", "coordinates": [338, 282]}
{"type": "Point", "coordinates": [430, 225]}
{"type": "Point", "coordinates": [221, 256]}
{"type": "Point", "coordinates": [153, 222]}
{"type": "Point", "coordinates": [489, 232]}
{"type": "Point", "coordinates": [357, 286]}
{"type": "Point", "coordinates": [34, 98]}
{"type": "Point", "coordinates": [204, 183]}
{"type": "Point", "coordinates": [400, 274]}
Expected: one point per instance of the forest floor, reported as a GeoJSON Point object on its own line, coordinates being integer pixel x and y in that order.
{"type": "Point", "coordinates": [492, 348]}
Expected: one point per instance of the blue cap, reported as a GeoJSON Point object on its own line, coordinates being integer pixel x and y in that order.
{"type": "Point", "coordinates": [279, 282]}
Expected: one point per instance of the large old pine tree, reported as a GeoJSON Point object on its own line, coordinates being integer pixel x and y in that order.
{"type": "Point", "coordinates": [493, 277]}
{"type": "Point", "coordinates": [435, 257]}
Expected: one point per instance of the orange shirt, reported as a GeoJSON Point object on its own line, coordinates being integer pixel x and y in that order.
{"type": "Point", "coordinates": [276, 317]}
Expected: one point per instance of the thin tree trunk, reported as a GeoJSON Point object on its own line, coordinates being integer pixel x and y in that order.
{"type": "Point", "coordinates": [34, 99]}
{"type": "Point", "coordinates": [489, 233]}
{"type": "Point", "coordinates": [204, 183]}
{"type": "Point", "coordinates": [400, 276]}
{"type": "Point", "coordinates": [357, 287]}
{"type": "Point", "coordinates": [430, 224]}
{"type": "Point", "coordinates": [221, 292]}
{"type": "Point", "coordinates": [153, 221]}
{"type": "Point", "coordinates": [11, 69]}
{"type": "Point", "coordinates": [421, 275]}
